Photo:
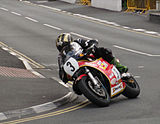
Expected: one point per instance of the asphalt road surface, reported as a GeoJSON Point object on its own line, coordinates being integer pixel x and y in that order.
{"type": "Point", "coordinates": [32, 30]}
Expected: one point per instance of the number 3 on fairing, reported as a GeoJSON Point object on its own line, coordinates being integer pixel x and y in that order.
{"type": "Point", "coordinates": [71, 66]}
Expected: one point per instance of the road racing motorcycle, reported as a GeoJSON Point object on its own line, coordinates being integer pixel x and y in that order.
{"type": "Point", "coordinates": [96, 79]}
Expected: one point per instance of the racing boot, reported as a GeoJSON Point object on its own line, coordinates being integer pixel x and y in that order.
{"type": "Point", "coordinates": [121, 68]}
{"type": "Point", "coordinates": [76, 89]}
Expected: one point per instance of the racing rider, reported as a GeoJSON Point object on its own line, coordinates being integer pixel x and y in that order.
{"type": "Point", "coordinates": [65, 39]}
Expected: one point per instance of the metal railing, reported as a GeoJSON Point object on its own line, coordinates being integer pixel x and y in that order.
{"type": "Point", "coordinates": [142, 5]}
{"type": "Point", "coordinates": [85, 2]}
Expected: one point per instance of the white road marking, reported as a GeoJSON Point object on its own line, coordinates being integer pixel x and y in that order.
{"type": "Point", "coordinates": [2, 116]}
{"type": "Point", "coordinates": [125, 27]}
{"type": "Point", "coordinates": [49, 7]}
{"type": "Point", "coordinates": [151, 32]}
{"type": "Point", "coordinates": [44, 107]}
{"type": "Point", "coordinates": [28, 67]}
{"type": "Point", "coordinates": [16, 13]}
{"type": "Point", "coordinates": [135, 51]}
{"type": "Point", "coordinates": [137, 76]}
{"type": "Point", "coordinates": [141, 30]}
{"type": "Point", "coordinates": [27, 1]}
{"type": "Point", "coordinates": [13, 53]}
{"type": "Point", "coordinates": [4, 48]}
{"type": "Point", "coordinates": [4, 9]}
{"type": "Point", "coordinates": [60, 81]}
{"type": "Point", "coordinates": [54, 65]}
{"type": "Point", "coordinates": [31, 19]}
{"type": "Point", "coordinates": [141, 66]}
{"type": "Point", "coordinates": [80, 35]}
{"type": "Point", "coordinates": [52, 27]}
{"type": "Point", "coordinates": [100, 20]}
{"type": "Point", "coordinates": [41, 1]}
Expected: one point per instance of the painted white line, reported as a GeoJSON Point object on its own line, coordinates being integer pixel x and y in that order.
{"type": "Point", "coordinates": [27, 2]}
{"type": "Point", "coordinates": [28, 67]}
{"type": "Point", "coordinates": [111, 23]}
{"type": "Point", "coordinates": [135, 51]}
{"type": "Point", "coordinates": [151, 32]}
{"type": "Point", "coordinates": [4, 48]}
{"type": "Point", "coordinates": [50, 7]}
{"type": "Point", "coordinates": [2, 117]}
{"type": "Point", "coordinates": [137, 76]}
{"type": "Point", "coordinates": [13, 53]}
{"type": "Point", "coordinates": [95, 19]}
{"type": "Point", "coordinates": [103, 21]}
{"type": "Point", "coordinates": [41, 1]}
{"type": "Point", "coordinates": [52, 27]}
{"type": "Point", "coordinates": [38, 74]}
{"type": "Point", "coordinates": [80, 15]}
{"type": "Point", "coordinates": [48, 65]}
{"type": "Point", "coordinates": [61, 82]}
{"type": "Point", "coordinates": [125, 27]}
{"type": "Point", "coordinates": [116, 24]}
{"type": "Point", "coordinates": [155, 55]}
{"type": "Point", "coordinates": [64, 11]}
{"type": "Point", "coordinates": [141, 66]}
{"type": "Point", "coordinates": [16, 13]}
{"type": "Point", "coordinates": [80, 35]}
{"type": "Point", "coordinates": [4, 9]}
{"type": "Point", "coordinates": [44, 107]}
{"type": "Point", "coordinates": [33, 20]}
{"type": "Point", "coordinates": [69, 13]}
{"type": "Point", "coordinates": [141, 30]}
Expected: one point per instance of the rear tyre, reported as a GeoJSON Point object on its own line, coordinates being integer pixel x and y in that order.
{"type": "Point", "coordinates": [99, 97]}
{"type": "Point", "coordinates": [132, 89]}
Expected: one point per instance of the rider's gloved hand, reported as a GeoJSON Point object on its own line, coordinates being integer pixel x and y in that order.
{"type": "Point", "coordinates": [90, 43]}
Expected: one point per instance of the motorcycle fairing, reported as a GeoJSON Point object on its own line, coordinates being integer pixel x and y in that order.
{"type": "Point", "coordinates": [110, 71]}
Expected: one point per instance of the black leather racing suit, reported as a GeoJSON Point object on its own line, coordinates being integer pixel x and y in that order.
{"type": "Point", "coordinates": [84, 44]}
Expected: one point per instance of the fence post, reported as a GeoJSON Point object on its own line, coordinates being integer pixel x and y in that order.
{"type": "Point", "coordinates": [157, 4]}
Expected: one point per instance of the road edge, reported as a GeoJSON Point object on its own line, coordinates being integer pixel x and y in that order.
{"type": "Point", "coordinates": [69, 97]}
{"type": "Point", "coordinates": [38, 108]}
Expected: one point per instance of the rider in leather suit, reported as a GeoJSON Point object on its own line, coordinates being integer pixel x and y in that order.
{"type": "Point", "coordinates": [65, 39]}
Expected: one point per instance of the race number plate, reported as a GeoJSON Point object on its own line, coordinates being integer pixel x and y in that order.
{"type": "Point", "coordinates": [116, 73]}
{"type": "Point", "coordinates": [71, 66]}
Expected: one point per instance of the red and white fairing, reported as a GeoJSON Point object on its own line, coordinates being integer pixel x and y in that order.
{"type": "Point", "coordinates": [110, 71]}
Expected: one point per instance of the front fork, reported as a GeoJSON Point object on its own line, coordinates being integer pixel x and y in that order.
{"type": "Point", "coordinates": [95, 82]}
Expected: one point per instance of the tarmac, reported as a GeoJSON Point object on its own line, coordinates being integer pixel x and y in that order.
{"type": "Point", "coordinates": [123, 18]}
{"type": "Point", "coordinates": [23, 93]}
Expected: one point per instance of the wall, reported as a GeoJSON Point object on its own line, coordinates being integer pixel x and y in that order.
{"type": "Point", "coordinates": [115, 5]}
{"type": "Point", "coordinates": [69, 1]}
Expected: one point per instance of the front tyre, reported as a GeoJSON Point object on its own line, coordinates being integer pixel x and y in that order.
{"type": "Point", "coordinates": [99, 97]}
{"type": "Point", "coordinates": [132, 89]}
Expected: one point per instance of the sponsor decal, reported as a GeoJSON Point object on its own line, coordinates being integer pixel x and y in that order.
{"type": "Point", "coordinates": [111, 75]}
{"type": "Point", "coordinates": [116, 89]}
{"type": "Point", "coordinates": [113, 81]}
{"type": "Point", "coordinates": [91, 64]}
{"type": "Point", "coordinates": [116, 73]}
{"type": "Point", "coordinates": [102, 65]}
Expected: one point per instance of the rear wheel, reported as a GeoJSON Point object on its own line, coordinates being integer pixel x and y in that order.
{"type": "Point", "coordinates": [132, 89]}
{"type": "Point", "coordinates": [96, 94]}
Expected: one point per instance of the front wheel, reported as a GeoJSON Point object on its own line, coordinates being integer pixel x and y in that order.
{"type": "Point", "coordinates": [99, 96]}
{"type": "Point", "coordinates": [132, 89]}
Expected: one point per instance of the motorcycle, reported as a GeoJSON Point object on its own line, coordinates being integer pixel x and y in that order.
{"type": "Point", "coordinates": [98, 80]}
